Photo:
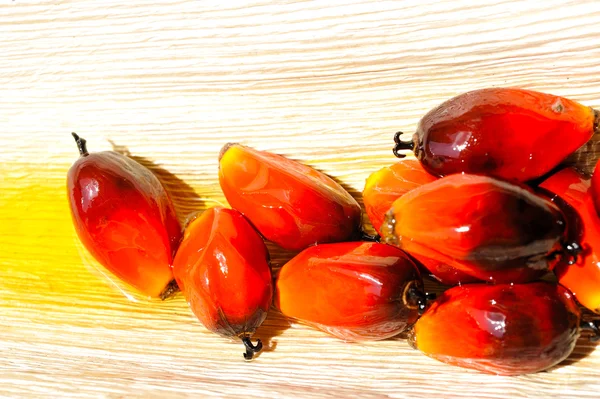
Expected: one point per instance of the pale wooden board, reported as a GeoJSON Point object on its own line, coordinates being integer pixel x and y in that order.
{"type": "Point", "coordinates": [326, 82]}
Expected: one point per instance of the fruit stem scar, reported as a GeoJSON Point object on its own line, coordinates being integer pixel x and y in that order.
{"type": "Point", "coordinates": [402, 145]}
{"type": "Point", "coordinates": [81, 145]}
{"type": "Point", "coordinates": [596, 120]}
{"type": "Point", "coordinates": [558, 106]}
{"type": "Point", "coordinates": [414, 297]}
{"type": "Point", "coordinates": [251, 349]}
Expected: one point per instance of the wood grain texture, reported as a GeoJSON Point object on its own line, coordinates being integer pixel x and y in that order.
{"type": "Point", "coordinates": [171, 81]}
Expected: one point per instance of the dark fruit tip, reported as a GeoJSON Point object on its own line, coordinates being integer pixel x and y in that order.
{"type": "Point", "coordinates": [251, 349]}
{"type": "Point", "coordinates": [401, 145]}
{"type": "Point", "coordinates": [572, 251]}
{"type": "Point", "coordinates": [596, 120]}
{"type": "Point", "coordinates": [594, 327]}
{"type": "Point", "coordinates": [414, 297]}
{"type": "Point", "coordinates": [370, 237]}
{"type": "Point", "coordinates": [169, 290]}
{"type": "Point", "coordinates": [81, 144]}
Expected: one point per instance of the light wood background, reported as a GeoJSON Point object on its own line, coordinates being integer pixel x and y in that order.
{"type": "Point", "coordinates": [171, 81]}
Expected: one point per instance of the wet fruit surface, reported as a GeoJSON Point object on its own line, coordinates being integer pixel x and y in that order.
{"type": "Point", "coordinates": [487, 228]}
{"type": "Point", "coordinates": [222, 269]}
{"type": "Point", "coordinates": [289, 203]}
{"type": "Point", "coordinates": [583, 277]}
{"type": "Point", "coordinates": [124, 217]}
{"type": "Point", "coordinates": [442, 272]}
{"type": "Point", "coordinates": [500, 329]}
{"type": "Point", "coordinates": [354, 290]}
{"type": "Point", "coordinates": [388, 184]}
{"type": "Point", "coordinates": [513, 134]}
{"type": "Point", "coordinates": [384, 187]}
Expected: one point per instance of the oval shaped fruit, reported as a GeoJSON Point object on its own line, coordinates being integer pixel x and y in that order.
{"type": "Point", "coordinates": [488, 228]}
{"type": "Point", "coordinates": [501, 329]}
{"type": "Point", "coordinates": [291, 204]}
{"type": "Point", "coordinates": [125, 218]}
{"type": "Point", "coordinates": [512, 134]}
{"type": "Point", "coordinates": [223, 271]}
{"type": "Point", "coordinates": [353, 290]}
{"type": "Point", "coordinates": [387, 185]}
{"type": "Point", "coordinates": [583, 277]}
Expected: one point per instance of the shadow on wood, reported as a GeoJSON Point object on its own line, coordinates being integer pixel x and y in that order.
{"type": "Point", "coordinates": [185, 199]}
{"type": "Point", "coordinates": [586, 157]}
{"type": "Point", "coordinates": [274, 325]}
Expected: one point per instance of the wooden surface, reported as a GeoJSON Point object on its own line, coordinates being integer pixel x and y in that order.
{"type": "Point", "coordinates": [326, 82]}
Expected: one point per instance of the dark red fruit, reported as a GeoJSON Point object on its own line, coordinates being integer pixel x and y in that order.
{"type": "Point", "coordinates": [500, 329]}
{"type": "Point", "coordinates": [512, 134]}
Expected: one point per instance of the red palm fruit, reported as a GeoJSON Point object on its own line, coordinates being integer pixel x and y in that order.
{"type": "Point", "coordinates": [223, 271]}
{"type": "Point", "coordinates": [353, 290]}
{"type": "Point", "coordinates": [291, 204]}
{"type": "Point", "coordinates": [512, 134]}
{"type": "Point", "coordinates": [387, 185]}
{"type": "Point", "coordinates": [582, 277]}
{"type": "Point", "coordinates": [596, 187]}
{"type": "Point", "coordinates": [501, 329]}
{"type": "Point", "coordinates": [125, 218]}
{"type": "Point", "coordinates": [488, 228]}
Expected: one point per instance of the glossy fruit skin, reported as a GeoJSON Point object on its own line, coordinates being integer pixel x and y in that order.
{"type": "Point", "coordinates": [223, 271]}
{"type": "Point", "coordinates": [595, 188]}
{"type": "Point", "coordinates": [353, 290]}
{"type": "Point", "coordinates": [125, 218]}
{"type": "Point", "coordinates": [500, 329]}
{"type": "Point", "coordinates": [388, 184]}
{"type": "Point", "coordinates": [583, 277]}
{"type": "Point", "coordinates": [487, 228]}
{"type": "Point", "coordinates": [508, 133]}
{"type": "Point", "coordinates": [442, 272]}
{"type": "Point", "coordinates": [291, 204]}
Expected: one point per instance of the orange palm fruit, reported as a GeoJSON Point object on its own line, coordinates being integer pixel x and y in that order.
{"type": "Point", "coordinates": [125, 218]}
{"type": "Point", "coordinates": [223, 271]}
{"type": "Point", "coordinates": [487, 228]}
{"type": "Point", "coordinates": [353, 290]}
{"type": "Point", "coordinates": [387, 185]}
{"type": "Point", "coordinates": [513, 134]}
{"type": "Point", "coordinates": [506, 329]}
{"type": "Point", "coordinates": [289, 203]}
